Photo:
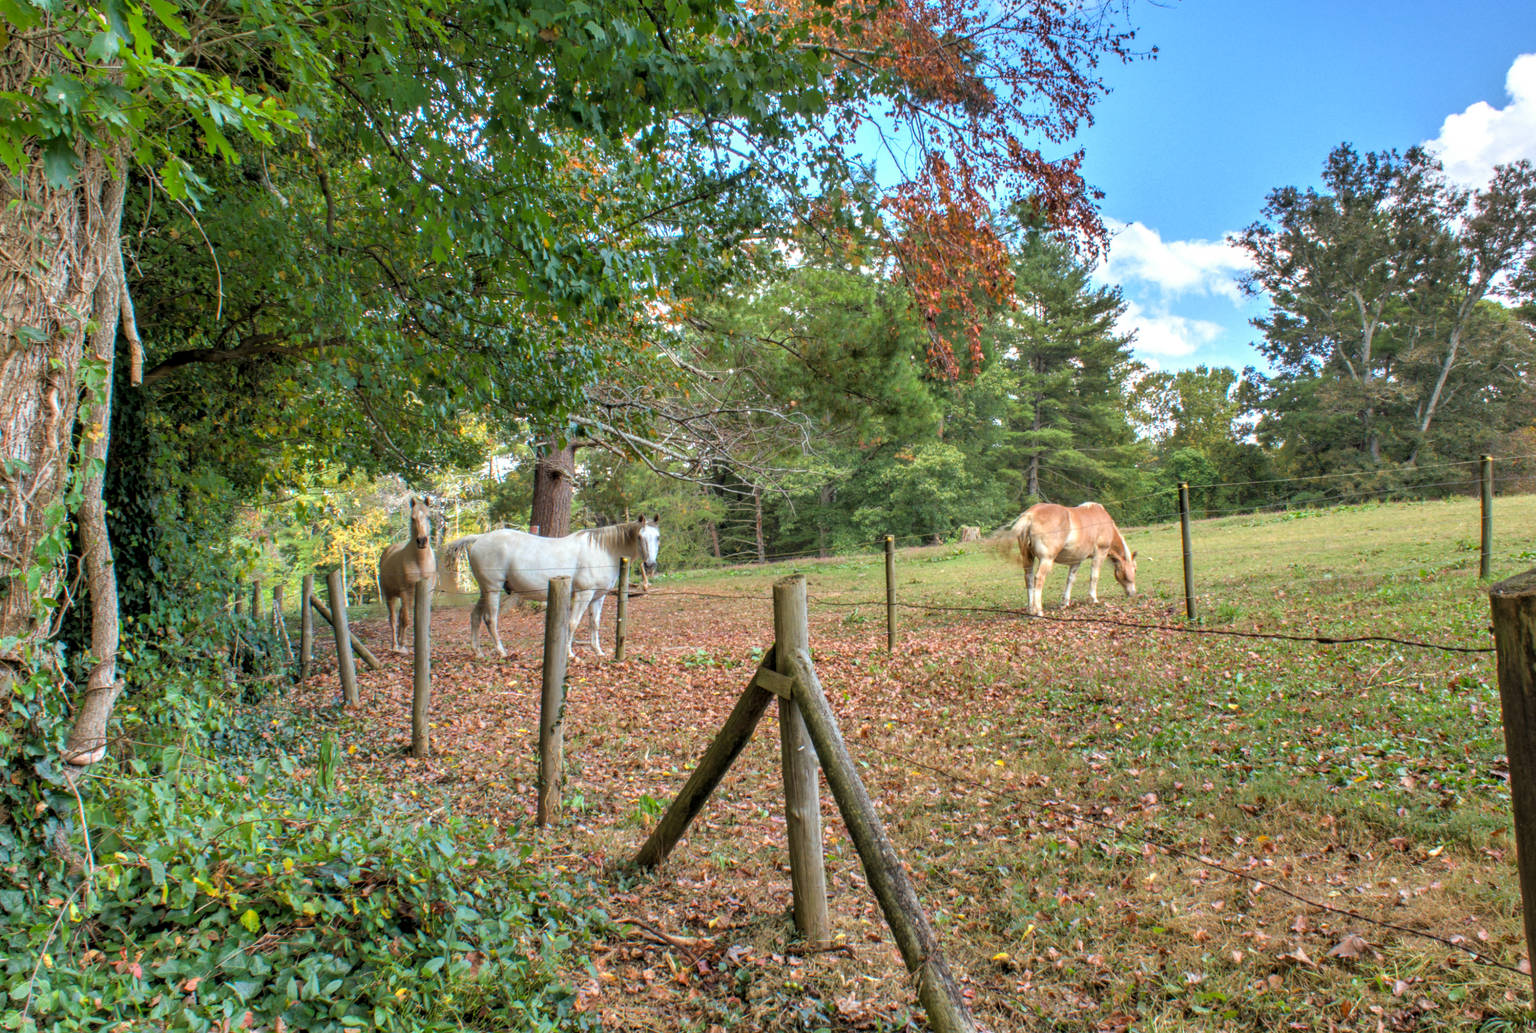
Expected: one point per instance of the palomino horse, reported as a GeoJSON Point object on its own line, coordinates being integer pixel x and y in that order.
{"type": "Point", "coordinates": [1049, 534]}
{"type": "Point", "coordinates": [401, 565]}
{"type": "Point", "coordinates": [522, 564]}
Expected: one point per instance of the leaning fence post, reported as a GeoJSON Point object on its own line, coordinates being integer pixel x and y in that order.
{"type": "Point", "coordinates": [1514, 634]}
{"type": "Point", "coordinates": [306, 627]}
{"type": "Point", "coordinates": [1485, 561]}
{"type": "Point", "coordinates": [802, 801]}
{"type": "Point", "coordinates": [256, 599]}
{"type": "Point", "coordinates": [421, 687]}
{"type": "Point", "coordinates": [940, 995]}
{"type": "Point", "coordinates": [622, 624]}
{"type": "Point", "coordinates": [890, 593]}
{"type": "Point", "coordinates": [557, 614]}
{"type": "Point", "coordinates": [1189, 562]}
{"type": "Point", "coordinates": [343, 637]}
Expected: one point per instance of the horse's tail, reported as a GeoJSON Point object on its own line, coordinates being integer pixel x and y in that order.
{"type": "Point", "coordinates": [1010, 543]}
{"type": "Point", "coordinates": [451, 550]}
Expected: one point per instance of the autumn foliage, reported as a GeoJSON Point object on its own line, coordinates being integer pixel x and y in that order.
{"type": "Point", "coordinates": [977, 95]}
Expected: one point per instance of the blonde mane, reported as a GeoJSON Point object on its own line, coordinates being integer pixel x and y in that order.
{"type": "Point", "coordinates": [614, 537]}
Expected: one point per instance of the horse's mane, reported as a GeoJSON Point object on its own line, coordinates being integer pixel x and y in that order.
{"type": "Point", "coordinates": [614, 536]}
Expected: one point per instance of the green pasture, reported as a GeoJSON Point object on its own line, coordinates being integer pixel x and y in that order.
{"type": "Point", "coordinates": [1033, 769]}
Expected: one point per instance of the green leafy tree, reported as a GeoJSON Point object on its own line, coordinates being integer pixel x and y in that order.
{"type": "Point", "coordinates": [1070, 373]}
{"type": "Point", "coordinates": [1375, 283]}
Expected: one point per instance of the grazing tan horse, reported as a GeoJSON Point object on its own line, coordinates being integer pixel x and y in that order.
{"type": "Point", "coordinates": [1050, 534]}
{"type": "Point", "coordinates": [401, 565]}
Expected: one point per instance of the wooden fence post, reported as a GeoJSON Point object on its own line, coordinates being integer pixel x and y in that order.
{"type": "Point", "coordinates": [890, 593]}
{"type": "Point", "coordinates": [306, 626]}
{"type": "Point", "coordinates": [358, 645]}
{"type": "Point", "coordinates": [343, 637]}
{"type": "Point", "coordinates": [936, 987]}
{"type": "Point", "coordinates": [557, 615]}
{"type": "Point", "coordinates": [1189, 562]}
{"type": "Point", "coordinates": [421, 688]}
{"type": "Point", "coordinates": [1485, 560]}
{"type": "Point", "coordinates": [802, 800]}
{"type": "Point", "coordinates": [239, 598]}
{"type": "Point", "coordinates": [721, 754]}
{"type": "Point", "coordinates": [621, 625]}
{"type": "Point", "coordinates": [256, 600]}
{"type": "Point", "coordinates": [1514, 635]}
{"type": "Point", "coordinates": [279, 622]}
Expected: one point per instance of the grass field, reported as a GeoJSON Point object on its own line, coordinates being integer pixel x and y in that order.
{"type": "Point", "coordinates": [1031, 774]}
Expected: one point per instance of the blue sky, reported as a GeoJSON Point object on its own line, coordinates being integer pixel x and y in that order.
{"type": "Point", "coordinates": [1246, 96]}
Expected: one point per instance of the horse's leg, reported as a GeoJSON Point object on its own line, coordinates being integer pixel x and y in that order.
{"type": "Point", "coordinates": [597, 621]}
{"type": "Point", "coordinates": [405, 621]}
{"type": "Point", "coordinates": [1093, 577]}
{"type": "Point", "coordinates": [1029, 576]}
{"type": "Point", "coordinates": [1066, 597]}
{"type": "Point", "coordinates": [475, 616]}
{"type": "Point", "coordinates": [1037, 590]}
{"type": "Point", "coordinates": [579, 601]}
{"type": "Point", "coordinates": [492, 617]}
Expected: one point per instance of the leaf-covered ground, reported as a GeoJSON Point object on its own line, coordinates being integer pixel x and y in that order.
{"type": "Point", "coordinates": [1033, 776]}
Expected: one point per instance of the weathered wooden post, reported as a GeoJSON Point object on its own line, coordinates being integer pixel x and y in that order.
{"type": "Point", "coordinates": [936, 987]}
{"type": "Point", "coordinates": [1514, 636]}
{"type": "Point", "coordinates": [343, 637]}
{"type": "Point", "coordinates": [239, 598]}
{"type": "Point", "coordinates": [721, 754]}
{"type": "Point", "coordinates": [279, 622]}
{"type": "Point", "coordinates": [890, 593]}
{"type": "Point", "coordinates": [621, 625]}
{"type": "Point", "coordinates": [421, 689]}
{"type": "Point", "coordinates": [306, 626]}
{"type": "Point", "coordinates": [557, 615]}
{"type": "Point", "coordinates": [358, 645]}
{"type": "Point", "coordinates": [1189, 561]}
{"type": "Point", "coordinates": [802, 801]}
{"type": "Point", "coordinates": [1485, 561]}
{"type": "Point", "coordinates": [256, 599]}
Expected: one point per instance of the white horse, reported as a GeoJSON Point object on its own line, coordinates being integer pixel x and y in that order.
{"type": "Point", "coordinates": [522, 564]}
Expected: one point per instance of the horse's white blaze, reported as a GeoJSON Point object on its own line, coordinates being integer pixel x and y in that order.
{"type": "Point", "coordinates": [522, 564]}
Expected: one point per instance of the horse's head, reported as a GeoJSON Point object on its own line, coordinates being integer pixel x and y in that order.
{"type": "Point", "coordinates": [1125, 572]}
{"type": "Point", "coordinates": [421, 521]}
{"type": "Point", "coordinates": [650, 541]}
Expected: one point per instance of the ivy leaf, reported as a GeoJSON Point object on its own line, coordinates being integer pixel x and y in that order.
{"type": "Point", "coordinates": [104, 47]}
{"type": "Point", "coordinates": [251, 920]}
{"type": "Point", "coordinates": [21, 15]}
{"type": "Point", "coordinates": [60, 163]}
{"type": "Point", "coordinates": [166, 12]}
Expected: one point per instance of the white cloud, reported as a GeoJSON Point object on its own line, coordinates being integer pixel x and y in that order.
{"type": "Point", "coordinates": [1473, 142]}
{"type": "Point", "coordinates": [1139, 253]}
{"type": "Point", "coordinates": [1165, 335]}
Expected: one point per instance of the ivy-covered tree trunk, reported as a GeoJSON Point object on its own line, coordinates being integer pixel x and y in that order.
{"type": "Point", "coordinates": [60, 262]}
{"type": "Point", "coordinates": [554, 486]}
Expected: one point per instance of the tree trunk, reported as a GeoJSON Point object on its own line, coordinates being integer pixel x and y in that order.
{"type": "Point", "coordinates": [822, 548]}
{"type": "Point", "coordinates": [1032, 487]}
{"type": "Point", "coordinates": [57, 247]}
{"type": "Point", "coordinates": [88, 738]}
{"type": "Point", "coordinates": [714, 536]}
{"type": "Point", "coordinates": [757, 523]}
{"type": "Point", "coordinates": [554, 486]}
